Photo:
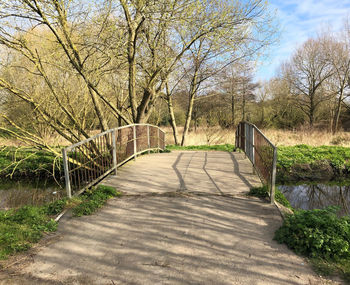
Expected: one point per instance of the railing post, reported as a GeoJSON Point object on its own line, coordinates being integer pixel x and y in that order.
{"type": "Point", "coordinates": [158, 145]}
{"type": "Point", "coordinates": [148, 140]}
{"type": "Point", "coordinates": [135, 143]}
{"type": "Point", "coordinates": [273, 176]}
{"type": "Point", "coordinates": [253, 149]}
{"type": "Point", "coordinates": [66, 173]}
{"type": "Point", "coordinates": [114, 143]}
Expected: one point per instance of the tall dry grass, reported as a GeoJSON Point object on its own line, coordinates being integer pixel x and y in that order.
{"type": "Point", "coordinates": [216, 135]}
{"type": "Point", "coordinates": [202, 136]}
{"type": "Point", "coordinates": [309, 137]}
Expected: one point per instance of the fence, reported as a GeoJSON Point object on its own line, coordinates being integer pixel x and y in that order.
{"type": "Point", "coordinates": [260, 151]}
{"type": "Point", "coordinates": [87, 162]}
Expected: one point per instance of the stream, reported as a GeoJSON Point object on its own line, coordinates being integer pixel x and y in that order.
{"type": "Point", "coordinates": [318, 196]}
{"type": "Point", "coordinates": [17, 194]}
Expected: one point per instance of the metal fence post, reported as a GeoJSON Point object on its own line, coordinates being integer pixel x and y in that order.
{"type": "Point", "coordinates": [135, 143]}
{"type": "Point", "coordinates": [273, 176]}
{"type": "Point", "coordinates": [148, 140]}
{"type": "Point", "coordinates": [66, 173]}
{"type": "Point", "coordinates": [114, 143]}
{"type": "Point", "coordinates": [158, 139]}
{"type": "Point", "coordinates": [253, 150]}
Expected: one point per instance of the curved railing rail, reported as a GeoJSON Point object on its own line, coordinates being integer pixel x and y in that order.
{"type": "Point", "coordinates": [89, 161]}
{"type": "Point", "coordinates": [261, 152]}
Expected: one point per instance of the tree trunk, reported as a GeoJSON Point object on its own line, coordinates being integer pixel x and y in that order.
{"type": "Point", "coordinates": [172, 119]}
{"type": "Point", "coordinates": [337, 112]}
{"type": "Point", "coordinates": [243, 108]}
{"type": "Point", "coordinates": [132, 75]}
{"type": "Point", "coordinates": [97, 106]}
{"type": "Point", "coordinates": [193, 91]}
{"type": "Point", "coordinates": [188, 120]}
{"type": "Point", "coordinates": [232, 110]}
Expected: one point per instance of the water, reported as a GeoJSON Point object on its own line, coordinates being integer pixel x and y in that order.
{"type": "Point", "coordinates": [318, 196]}
{"type": "Point", "coordinates": [17, 194]}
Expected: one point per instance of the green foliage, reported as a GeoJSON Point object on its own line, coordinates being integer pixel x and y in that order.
{"type": "Point", "coordinates": [94, 199]}
{"type": "Point", "coordinates": [338, 159]}
{"type": "Point", "coordinates": [300, 154]}
{"type": "Point", "coordinates": [219, 147]}
{"type": "Point", "coordinates": [56, 207]}
{"type": "Point", "coordinates": [263, 192]}
{"type": "Point", "coordinates": [27, 163]}
{"type": "Point", "coordinates": [317, 233]}
{"type": "Point", "coordinates": [260, 192]}
{"type": "Point", "coordinates": [20, 228]}
{"type": "Point", "coordinates": [280, 198]}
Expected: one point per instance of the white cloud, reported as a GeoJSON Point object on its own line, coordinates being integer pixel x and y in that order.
{"type": "Point", "coordinates": [301, 19]}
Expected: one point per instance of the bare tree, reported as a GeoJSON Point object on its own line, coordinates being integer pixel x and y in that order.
{"type": "Point", "coordinates": [308, 69]}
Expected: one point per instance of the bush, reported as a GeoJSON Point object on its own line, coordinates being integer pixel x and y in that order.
{"type": "Point", "coordinates": [317, 233]}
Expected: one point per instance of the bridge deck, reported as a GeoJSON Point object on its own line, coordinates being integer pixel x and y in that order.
{"type": "Point", "coordinates": [184, 232]}
{"type": "Point", "coordinates": [193, 171]}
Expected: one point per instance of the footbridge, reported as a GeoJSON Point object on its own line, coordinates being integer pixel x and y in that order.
{"type": "Point", "coordinates": [184, 217]}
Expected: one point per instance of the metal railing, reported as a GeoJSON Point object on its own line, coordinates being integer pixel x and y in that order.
{"type": "Point", "coordinates": [260, 151]}
{"type": "Point", "coordinates": [89, 161]}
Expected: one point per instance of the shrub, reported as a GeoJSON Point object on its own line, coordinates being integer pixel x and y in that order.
{"type": "Point", "coordinates": [317, 233]}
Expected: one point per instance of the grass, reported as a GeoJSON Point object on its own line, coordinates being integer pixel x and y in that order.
{"type": "Point", "coordinates": [23, 227]}
{"type": "Point", "coordinates": [94, 199]}
{"type": "Point", "coordinates": [221, 147]}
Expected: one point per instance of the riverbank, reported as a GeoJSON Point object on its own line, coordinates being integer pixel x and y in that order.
{"type": "Point", "coordinates": [306, 163]}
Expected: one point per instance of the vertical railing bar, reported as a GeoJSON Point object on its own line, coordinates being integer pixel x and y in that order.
{"type": "Point", "coordinates": [158, 138]}
{"type": "Point", "coordinates": [104, 159]}
{"type": "Point", "coordinates": [84, 158]}
{"type": "Point", "coordinates": [101, 157]}
{"type": "Point", "coordinates": [94, 165]}
{"type": "Point", "coordinates": [77, 175]}
{"type": "Point", "coordinates": [90, 172]}
{"type": "Point", "coordinates": [66, 173]}
{"type": "Point", "coordinates": [135, 146]}
{"type": "Point", "coordinates": [114, 145]}
{"type": "Point", "coordinates": [253, 150]}
{"type": "Point", "coordinates": [273, 176]}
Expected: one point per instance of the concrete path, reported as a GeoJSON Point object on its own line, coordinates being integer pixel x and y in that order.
{"type": "Point", "coordinates": [185, 219]}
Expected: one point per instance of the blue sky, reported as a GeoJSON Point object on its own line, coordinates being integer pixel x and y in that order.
{"type": "Point", "coordinates": [299, 20]}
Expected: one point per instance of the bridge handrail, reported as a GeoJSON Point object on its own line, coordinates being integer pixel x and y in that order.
{"type": "Point", "coordinates": [87, 162]}
{"type": "Point", "coordinates": [261, 152]}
